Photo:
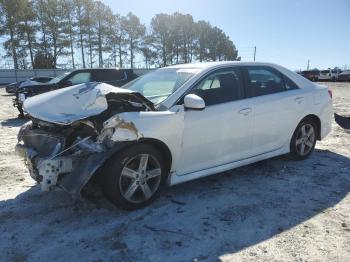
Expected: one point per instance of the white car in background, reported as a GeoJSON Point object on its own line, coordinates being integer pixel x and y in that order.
{"type": "Point", "coordinates": [329, 74]}
{"type": "Point", "coordinates": [170, 126]}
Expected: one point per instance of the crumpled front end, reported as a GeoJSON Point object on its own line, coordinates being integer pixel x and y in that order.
{"type": "Point", "coordinates": [67, 154]}
{"type": "Point", "coordinates": [50, 155]}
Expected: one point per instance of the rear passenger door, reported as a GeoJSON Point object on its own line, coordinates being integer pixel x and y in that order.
{"type": "Point", "coordinates": [277, 104]}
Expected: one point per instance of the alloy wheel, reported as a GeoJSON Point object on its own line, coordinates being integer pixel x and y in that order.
{"type": "Point", "coordinates": [305, 139]}
{"type": "Point", "coordinates": [140, 178]}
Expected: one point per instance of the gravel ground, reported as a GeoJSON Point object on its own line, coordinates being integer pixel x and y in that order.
{"type": "Point", "coordinates": [274, 210]}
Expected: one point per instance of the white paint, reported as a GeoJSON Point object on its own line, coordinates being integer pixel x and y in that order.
{"type": "Point", "coordinates": [229, 135]}
{"type": "Point", "coordinates": [193, 101]}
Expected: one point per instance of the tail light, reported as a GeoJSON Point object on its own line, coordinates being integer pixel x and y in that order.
{"type": "Point", "coordinates": [330, 93]}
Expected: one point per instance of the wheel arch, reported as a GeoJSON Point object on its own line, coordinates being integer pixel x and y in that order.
{"type": "Point", "coordinates": [316, 120]}
{"type": "Point", "coordinates": [159, 145]}
{"type": "Point", "coordinates": [162, 147]}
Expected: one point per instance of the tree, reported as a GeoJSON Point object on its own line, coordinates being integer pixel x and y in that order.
{"type": "Point", "coordinates": [186, 29]}
{"type": "Point", "coordinates": [52, 23]}
{"type": "Point", "coordinates": [80, 24]}
{"type": "Point", "coordinates": [10, 17]}
{"type": "Point", "coordinates": [104, 18]}
{"type": "Point", "coordinates": [147, 50]}
{"type": "Point", "coordinates": [116, 40]}
{"type": "Point", "coordinates": [28, 28]}
{"type": "Point", "coordinates": [43, 60]}
{"type": "Point", "coordinates": [49, 30]}
{"type": "Point", "coordinates": [69, 25]}
{"type": "Point", "coordinates": [161, 35]}
{"type": "Point", "coordinates": [135, 31]}
{"type": "Point", "coordinates": [203, 28]}
{"type": "Point", "coordinates": [220, 47]}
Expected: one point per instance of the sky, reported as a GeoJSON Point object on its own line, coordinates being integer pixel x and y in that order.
{"type": "Point", "coordinates": [286, 32]}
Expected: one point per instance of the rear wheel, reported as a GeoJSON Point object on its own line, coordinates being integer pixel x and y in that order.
{"type": "Point", "coordinates": [304, 140]}
{"type": "Point", "coordinates": [133, 178]}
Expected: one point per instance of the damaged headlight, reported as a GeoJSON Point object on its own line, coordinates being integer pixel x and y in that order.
{"type": "Point", "coordinates": [44, 143]}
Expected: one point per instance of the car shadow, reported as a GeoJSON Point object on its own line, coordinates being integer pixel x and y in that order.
{"type": "Point", "coordinates": [13, 122]}
{"type": "Point", "coordinates": [200, 220]}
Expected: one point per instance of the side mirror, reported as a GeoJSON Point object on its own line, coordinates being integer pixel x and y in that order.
{"type": "Point", "coordinates": [192, 101]}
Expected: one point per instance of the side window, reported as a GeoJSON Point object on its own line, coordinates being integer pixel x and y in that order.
{"type": "Point", "coordinates": [289, 84]}
{"type": "Point", "coordinates": [80, 78]}
{"type": "Point", "coordinates": [219, 87]}
{"type": "Point", "coordinates": [110, 75]}
{"type": "Point", "coordinates": [263, 81]}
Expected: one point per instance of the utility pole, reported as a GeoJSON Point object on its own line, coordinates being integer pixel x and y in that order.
{"type": "Point", "coordinates": [254, 52]}
{"type": "Point", "coordinates": [308, 64]}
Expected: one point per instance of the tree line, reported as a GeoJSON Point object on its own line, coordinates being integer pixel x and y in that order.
{"type": "Point", "coordinates": [86, 33]}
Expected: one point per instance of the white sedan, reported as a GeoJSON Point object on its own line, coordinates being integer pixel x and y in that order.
{"type": "Point", "coordinates": [170, 126]}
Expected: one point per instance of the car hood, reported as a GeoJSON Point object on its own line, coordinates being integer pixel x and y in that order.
{"type": "Point", "coordinates": [67, 105]}
{"type": "Point", "coordinates": [30, 83]}
{"type": "Point", "coordinates": [33, 88]}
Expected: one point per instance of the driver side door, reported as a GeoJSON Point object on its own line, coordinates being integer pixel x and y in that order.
{"type": "Point", "coordinates": [221, 133]}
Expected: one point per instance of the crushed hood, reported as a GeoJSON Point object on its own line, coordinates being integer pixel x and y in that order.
{"type": "Point", "coordinates": [67, 105]}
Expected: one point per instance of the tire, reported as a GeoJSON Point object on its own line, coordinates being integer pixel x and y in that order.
{"type": "Point", "coordinates": [134, 178]}
{"type": "Point", "coordinates": [303, 140]}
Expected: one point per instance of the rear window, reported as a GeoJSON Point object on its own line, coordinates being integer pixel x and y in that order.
{"type": "Point", "coordinates": [325, 71]}
{"type": "Point", "coordinates": [262, 80]}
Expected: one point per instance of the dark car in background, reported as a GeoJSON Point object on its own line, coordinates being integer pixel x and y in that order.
{"type": "Point", "coordinates": [312, 75]}
{"type": "Point", "coordinates": [344, 76]}
{"type": "Point", "coordinates": [12, 88]}
{"type": "Point", "coordinates": [112, 76]}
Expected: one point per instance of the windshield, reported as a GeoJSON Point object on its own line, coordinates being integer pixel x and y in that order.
{"type": "Point", "coordinates": [58, 78]}
{"type": "Point", "coordinates": [160, 84]}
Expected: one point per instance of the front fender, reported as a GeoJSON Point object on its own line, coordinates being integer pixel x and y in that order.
{"type": "Point", "coordinates": [164, 126]}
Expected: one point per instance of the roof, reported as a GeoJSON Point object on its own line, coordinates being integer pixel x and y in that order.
{"type": "Point", "coordinates": [203, 65]}
{"type": "Point", "coordinates": [99, 68]}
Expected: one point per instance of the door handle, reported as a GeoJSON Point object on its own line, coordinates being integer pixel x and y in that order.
{"type": "Point", "coordinates": [245, 111]}
{"type": "Point", "coordinates": [299, 99]}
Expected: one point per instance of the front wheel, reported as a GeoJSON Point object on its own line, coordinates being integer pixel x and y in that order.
{"type": "Point", "coordinates": [304, 140]}
{"type": "Point", "coordinates": [133, 178]}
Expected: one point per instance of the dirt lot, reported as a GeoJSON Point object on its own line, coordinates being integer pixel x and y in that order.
{"type": "Point", "coordinates": [275, 210]}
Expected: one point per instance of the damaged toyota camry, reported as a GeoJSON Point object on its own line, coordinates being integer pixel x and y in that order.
{"type": "Point", "coordinates": [170, 126]}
